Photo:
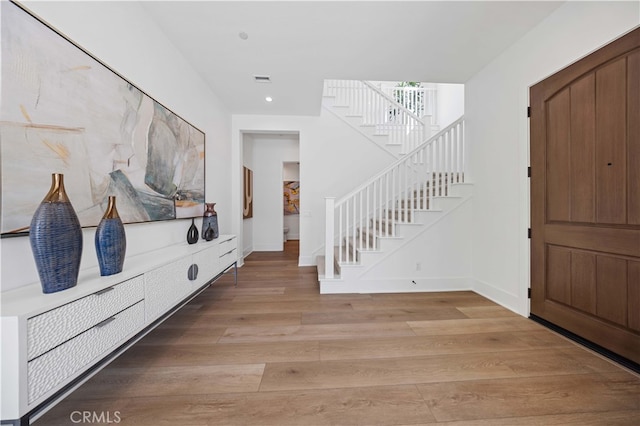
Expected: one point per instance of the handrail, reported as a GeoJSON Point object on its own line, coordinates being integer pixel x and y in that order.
{"type": "Point", "coordinates": [417, 99]}
{"type": "Point", "coordinates": [394, 164]}
{"type": "Point", "coordinates": [393, 101]}
{"type": "Point", "coordinates": [393, 195]}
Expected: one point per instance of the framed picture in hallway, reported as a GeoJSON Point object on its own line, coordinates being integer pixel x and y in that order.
{"type": "Point", "coordinates": [64, 111]}
{"type": "Point", "coordinates": [247, 185]}
{"type": "Point", "coordinates": [291, 197]}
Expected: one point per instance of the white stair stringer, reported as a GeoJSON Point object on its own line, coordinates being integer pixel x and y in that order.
{"type": "Point", "coordinates": [434, 237]}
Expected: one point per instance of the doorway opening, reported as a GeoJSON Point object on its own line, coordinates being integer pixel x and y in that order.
{"type": "Point", "coordinates": [272, 158]}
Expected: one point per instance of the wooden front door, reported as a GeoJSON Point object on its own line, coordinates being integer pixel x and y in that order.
{"type": "Point", "coordinates": [585, 197]}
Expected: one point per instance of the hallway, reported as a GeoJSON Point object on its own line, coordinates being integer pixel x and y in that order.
{"type": "Point", "coordinates": [273, 351]}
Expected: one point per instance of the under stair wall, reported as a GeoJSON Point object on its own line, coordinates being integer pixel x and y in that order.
{"type": "Point", "coordinates": [434, 254]}
{"type": "Point", "coordinates": [405, 229]}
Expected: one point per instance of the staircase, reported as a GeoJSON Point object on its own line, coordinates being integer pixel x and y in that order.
{"type": "Point", "coordinates": [391, 232]}
{"type": "Point", "coordinates": [376, 114]}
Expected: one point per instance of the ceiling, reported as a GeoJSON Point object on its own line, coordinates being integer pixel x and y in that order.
{"type": "Point", "coordinates": [301, 43]}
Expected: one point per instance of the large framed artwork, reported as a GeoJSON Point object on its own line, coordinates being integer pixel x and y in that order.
{"type": "Point", "coordinates": [63, 111]}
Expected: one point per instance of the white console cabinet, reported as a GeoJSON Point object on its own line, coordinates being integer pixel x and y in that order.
{"type": "Point", "coordinates": [52, 343]}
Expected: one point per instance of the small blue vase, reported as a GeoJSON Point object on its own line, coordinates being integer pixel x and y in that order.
{"type": "Point", "coordinates": [56, 239]}
{"type": "Point", "coordinates": [111, 241]}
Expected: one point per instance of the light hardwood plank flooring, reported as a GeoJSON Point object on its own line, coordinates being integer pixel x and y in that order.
{"type": "Point", "coordinates": [273, 351]}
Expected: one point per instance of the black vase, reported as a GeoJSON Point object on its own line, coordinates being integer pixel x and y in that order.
{"type": "Point", "coordinates": [56, 239]}
{"type": "Point", "coordinates": [192, 233]}
{"type": "Point", "coordinates": [111, 241]}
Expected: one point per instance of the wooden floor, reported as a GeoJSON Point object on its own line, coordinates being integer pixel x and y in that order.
{"type": "Point", "coordinates": [274, 352]}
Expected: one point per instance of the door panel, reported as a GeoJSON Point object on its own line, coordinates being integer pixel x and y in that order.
{"type": "Point", "coordinates": [633, 105]}
{"type": "Point", "coordinates": [583, 145]}
{"type": "Point", "coordinates": [558, 170]}
{"type": "Point", "coordinates": [583, 281]}
{"type": "Point", "coordinates": [611, 119]}
{"type": "Point", "coordinates": [559, 274]}
{"type": "Point", "coordinates": [611, 287]}
{"type": "Point", "coordinates": [585, 197]}
{"type": "Point", "coordinates": [634, 296]}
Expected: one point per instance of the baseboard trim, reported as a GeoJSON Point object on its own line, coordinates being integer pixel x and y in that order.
{"type": "Point", "coordinates": [306, 261]}
{"type": "Point", "coordinates": [501, 297]}
{"type": "Point", "coordinates": [618, 359]}
{"type": "Point", "coordinates": [397, 285]}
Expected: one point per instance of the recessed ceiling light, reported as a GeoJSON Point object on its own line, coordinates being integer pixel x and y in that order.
{"type": "Point", "coordinates": [268, 99]}
{"type": "Point", "coordinates": [243, 35]}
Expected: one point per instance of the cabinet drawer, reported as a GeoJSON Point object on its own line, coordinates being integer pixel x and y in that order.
{"type": "Point", "coordinates": [48, 330]}
{"type": "Point", "coordinates": [52, 369]}
{"type": "Point", "coordinates": [226, 246]}
{"type": "Point", "coordinates": [228, 259]}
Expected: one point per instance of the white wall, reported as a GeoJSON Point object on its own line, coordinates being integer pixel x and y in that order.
{"type": "Point", "coordinates": [450, 103]}
{"type": "Point", "coordinates": [269, 153]}
{"type": "Point", "coordinates": [497, 131]}
{"type": "Point", "coordinates": [334, 158]}
{"type": "Point", "coordinates": [291, 171]}
{"type": "Point", "coordinates": [120, 35]}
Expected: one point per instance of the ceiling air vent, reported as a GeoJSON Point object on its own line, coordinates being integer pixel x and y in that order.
{"type": "Point", "coordinates": [262, 78]}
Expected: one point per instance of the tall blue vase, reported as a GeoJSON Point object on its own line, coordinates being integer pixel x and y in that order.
{"type": "Point", "coordinates": [111, 241]}
{"type": "Point", "coordinates": [56, 239]}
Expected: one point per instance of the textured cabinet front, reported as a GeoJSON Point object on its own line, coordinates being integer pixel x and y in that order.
{"type": "Point", "coordinates": [50, 342]}
{"type": "Point", "coordinates": [52, 369]}
{"type": "Point", "coordinates": [207, 261]}
{"type": "Point", "coordinates": [48, 330]}
{"type": "Point", "coordinates": [165, 286]}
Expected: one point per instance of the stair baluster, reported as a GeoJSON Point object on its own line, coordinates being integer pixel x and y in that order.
{"type": "Point", "coordinates": [392, 196]}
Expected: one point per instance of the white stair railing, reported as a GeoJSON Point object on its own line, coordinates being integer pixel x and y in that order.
{"type": "Point", "coordinates": [420, 100]}
{"type": "Point", "coordinates": [373, 210]}
{"type": "Point", "coordinates": [379, 109]}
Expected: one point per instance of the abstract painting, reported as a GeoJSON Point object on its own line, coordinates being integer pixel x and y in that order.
{"type": "Point", "coordinates": [291, 197]}
{"type": "Point", "coordinates": [247, 205]}
{"type": "Point", "coordinates": [63, 111]}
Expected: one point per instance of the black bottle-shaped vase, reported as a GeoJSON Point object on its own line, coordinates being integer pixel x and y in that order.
{"type": "Point", "coordinates": [192, 233]}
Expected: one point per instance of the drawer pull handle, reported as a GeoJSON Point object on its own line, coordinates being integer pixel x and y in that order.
{"type": "Point", "coordinates": [103, 291]}
{"type": "Point", "coordinates": [105, 322]}
{"type": "Point", "coordinates": [230, 251]}
{"type": "Point", "coordinates": [192, 273]}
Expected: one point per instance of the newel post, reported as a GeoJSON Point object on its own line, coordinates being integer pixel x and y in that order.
{"type": "Point", "coordinates": [328, 236]}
